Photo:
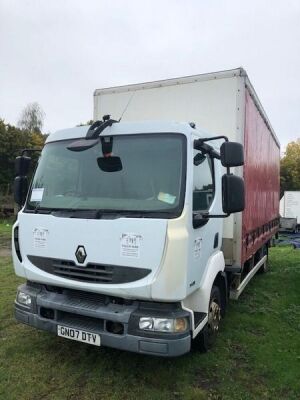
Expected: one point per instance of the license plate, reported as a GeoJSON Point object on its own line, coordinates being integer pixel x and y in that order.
{"type": "Point", "coordinates": [79, 335]}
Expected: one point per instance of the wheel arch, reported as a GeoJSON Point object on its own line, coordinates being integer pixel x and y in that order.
{"type": "Point", "coordinates": [221, 282]}
{"type": "Point", "coordinates": [198, 301]}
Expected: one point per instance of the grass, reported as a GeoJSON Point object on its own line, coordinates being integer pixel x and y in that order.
{"type": "Point", "coordinates": [257, 354]}
{"type": "Point", "coordinates": [5, 236]}
{"type": "Point", "coordinates": [5, 229]}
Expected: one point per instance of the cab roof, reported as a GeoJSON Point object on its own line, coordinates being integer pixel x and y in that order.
{"type": "Point", "coordinates": [123, 128]}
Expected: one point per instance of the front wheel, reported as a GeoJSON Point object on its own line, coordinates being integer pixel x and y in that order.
{"type": "Point", "coordinates": [207, 337]}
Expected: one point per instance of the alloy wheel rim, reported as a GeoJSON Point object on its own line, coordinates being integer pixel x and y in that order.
{"type": "Point", "coordinates": [214, 317]}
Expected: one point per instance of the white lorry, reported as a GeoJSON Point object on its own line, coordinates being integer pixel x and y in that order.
{"type": "Point", "coordinates": [290, 211]}
{"type": "Point", "coordinates": [123, 236]}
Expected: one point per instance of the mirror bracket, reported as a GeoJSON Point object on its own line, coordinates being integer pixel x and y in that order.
{"type": "Point", "coordinates": [231, 153]}
{"type": "Point", "coordinates": [206, 148]}
{"type": "Point", "coordinates": [24, 151]}
{"type": "Point", "coordinates": [98, 127]}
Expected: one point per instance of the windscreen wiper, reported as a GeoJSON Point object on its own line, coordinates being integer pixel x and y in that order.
{"type": "Point", "coordinates": [92, 138]}
{"type": "Point", "coordinates": [98, 126]}
{"type": "Point", "coordinates": [84, 214]}
{"type": "Point", "coordinates": [41, 210]}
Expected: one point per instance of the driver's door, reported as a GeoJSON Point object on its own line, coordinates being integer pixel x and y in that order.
{"type": "Point", "coordinates": [204, 239]}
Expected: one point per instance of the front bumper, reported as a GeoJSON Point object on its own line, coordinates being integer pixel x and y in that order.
{"type": "Point", "coordinates": [95, 313]}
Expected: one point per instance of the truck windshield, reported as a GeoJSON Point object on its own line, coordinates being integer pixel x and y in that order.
{"type": "Point", "coordinates": [151, 179]}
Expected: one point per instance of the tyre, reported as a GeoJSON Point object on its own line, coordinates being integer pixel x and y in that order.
{"type": "Point", "coordinates": [207, 337]}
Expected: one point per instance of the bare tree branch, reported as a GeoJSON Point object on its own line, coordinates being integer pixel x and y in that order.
{"type": "Point", "coordinates": [32, 118]}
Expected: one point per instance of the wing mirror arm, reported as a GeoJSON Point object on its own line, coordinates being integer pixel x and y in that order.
{"type": "Point", "coordinates": [233, 188]}
{"type": "Point", "coordinates": [22, 164]}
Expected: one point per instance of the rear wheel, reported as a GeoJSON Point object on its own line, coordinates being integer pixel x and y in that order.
{"type": "Point", "coordinates": [207, 337]}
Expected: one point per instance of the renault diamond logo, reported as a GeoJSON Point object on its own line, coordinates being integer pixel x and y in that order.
{"type": "Point", "coordinates": [80, 254]}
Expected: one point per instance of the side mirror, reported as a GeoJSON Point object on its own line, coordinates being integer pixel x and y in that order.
{"type": "Point", "coordinates": [232, 154]}
{"type": "Point", "coordinates": [233, 194]}
{"type": "Point", "coordinates": [22, 164]}
{"type": "Point", "coordinates": [20, 189]}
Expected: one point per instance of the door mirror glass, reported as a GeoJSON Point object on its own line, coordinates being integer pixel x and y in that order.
{"type": "Point", "coordinates": [20, 189]}
{"type": "Point", "coordinates": [232, 154]}
{"type": "Point", "coordinates": [22, 164]}
{"type": "Point", "coordinates": [233, 198]}
{"type": "Point", "coordinates": [203, 184]}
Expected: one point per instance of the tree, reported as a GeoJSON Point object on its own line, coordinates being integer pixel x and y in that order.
{"type": "Point", "coordinates": [13, 140]}
{"type": "Point", "coordinates": [90, 122]}
{"type": "Point", "coordinates": [290, 168]}
{"type": "Point", "coordinates": [32, 118]}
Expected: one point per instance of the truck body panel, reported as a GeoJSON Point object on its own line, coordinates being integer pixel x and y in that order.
{"type": "Point", "coordinates": [46, 261]}
{"type": "Point", "coordinates": [261, 175]}
{"type": "Point", "coordinates": [210, 103]}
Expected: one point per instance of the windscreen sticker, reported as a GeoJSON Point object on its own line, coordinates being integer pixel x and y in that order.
{"type": "Point", "coordinates": [130, 245]}
{"type": "Point", "coordinates": [197, 247]}
{"type": "Point", "coordinates": [40, 238]}
{"type": "Point", "coordinates": [37, 194]}
{"type": "Point", "coordinates": [166, 197]}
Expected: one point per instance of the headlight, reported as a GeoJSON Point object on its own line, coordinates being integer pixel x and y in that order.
{"type": "Point", "coordinates": [146, 324]}
{"type": "Point", "coordinates": [163, 324]}
{"type": "Point", "coordinates": [24, 299]}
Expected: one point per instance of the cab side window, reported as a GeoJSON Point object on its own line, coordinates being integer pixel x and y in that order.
{"type": "Point", "coordinates": [203, 184]}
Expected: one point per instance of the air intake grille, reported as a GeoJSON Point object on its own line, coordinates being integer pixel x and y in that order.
{"type": "Point", "coordinates": [17, 244]}
{"type": "Point", "coordinates": [93, 273]}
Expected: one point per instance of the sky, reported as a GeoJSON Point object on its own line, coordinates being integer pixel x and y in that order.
{"type": "Point", "coordinates": [58, 52]}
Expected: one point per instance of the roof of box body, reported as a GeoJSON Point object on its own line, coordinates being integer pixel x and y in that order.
{"type": "Point", "coordinates": [173, 81]}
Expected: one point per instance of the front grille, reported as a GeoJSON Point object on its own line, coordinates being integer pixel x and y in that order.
{"type": "Point", "coordinates": [90, 273]}
{"type": "Point", "coordinates": [93, 273]}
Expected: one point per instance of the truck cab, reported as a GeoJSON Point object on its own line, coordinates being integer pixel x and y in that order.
{"type": "Point", "coordinates": [119, 235]}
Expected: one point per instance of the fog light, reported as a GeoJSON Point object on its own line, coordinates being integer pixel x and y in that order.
{"type": "Point", "coordinates": [24, 299]}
